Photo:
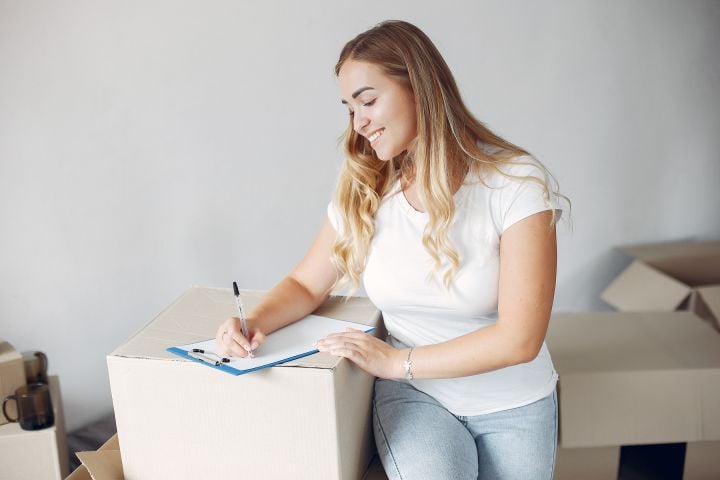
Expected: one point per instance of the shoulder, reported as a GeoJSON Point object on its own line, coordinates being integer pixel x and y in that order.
{"type": "Point", "coordinates": [514, 172]}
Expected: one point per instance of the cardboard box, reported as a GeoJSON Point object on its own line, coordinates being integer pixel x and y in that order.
{"type": "Point", "coordinates": [38, 454]}
{"type": "Point", "coordinates": [635, 378]}
{"type": "Point", "coordinates": [12, 376]}
{"type": "Point", "coordinates": [702, 461]}
{"type": "Point", "coordinates": [668, 277]}
{"type": "Point", "coordinates": [309, 418]}
{"type": "Point", "coordinates": [601, 463]}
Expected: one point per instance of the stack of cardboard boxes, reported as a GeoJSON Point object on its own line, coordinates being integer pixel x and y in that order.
{"type": "Point", "coordinates": [648, 374]}
{"type": "Point", "coordinates": [29, 455]}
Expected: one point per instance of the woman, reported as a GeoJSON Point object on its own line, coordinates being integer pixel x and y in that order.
{"type": "Point", "coordinates": [452, 229]}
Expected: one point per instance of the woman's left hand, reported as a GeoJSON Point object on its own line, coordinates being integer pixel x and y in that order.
{"type": "Point", "coordinates": [367, 352]}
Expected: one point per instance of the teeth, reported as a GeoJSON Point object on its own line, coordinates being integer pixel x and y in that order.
{"type": "Point", "coordinates": [375, 135]}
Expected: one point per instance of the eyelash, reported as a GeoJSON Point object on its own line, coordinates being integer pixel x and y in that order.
{"type": "Point", "coordinates": [368, 104]}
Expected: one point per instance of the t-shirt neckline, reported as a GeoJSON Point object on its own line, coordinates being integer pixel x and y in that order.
{"type": "Point", "coordinates": [424, 216]}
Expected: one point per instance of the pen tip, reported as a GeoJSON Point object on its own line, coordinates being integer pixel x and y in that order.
{"type": "Point", "coordinates": [235, 289]}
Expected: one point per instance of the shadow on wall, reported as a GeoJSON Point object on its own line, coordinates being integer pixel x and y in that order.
{"type": "Point", "coordinates": [585, 288]}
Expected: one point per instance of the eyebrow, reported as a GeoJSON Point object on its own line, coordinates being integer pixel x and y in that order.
{"type": "Point", "coordinates": [357, 92]}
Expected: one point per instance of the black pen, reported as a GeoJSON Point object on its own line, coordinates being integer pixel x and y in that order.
{"type": "Point", "coordinates": [222, 359]}
{"type": "Point", "coordinates": [241, 311]}
{"type": "Point", "coordinates": [205, 358]}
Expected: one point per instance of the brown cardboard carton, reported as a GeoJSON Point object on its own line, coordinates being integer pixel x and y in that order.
{"type": "Point", "coordinates": [12, 376]}
{"type": "Point", "coordinates": [39, 454]}
{"type": "Point", "coordinates": [635, 378]}
{"type": "Point", "coordinates": [600, 463]}
{"type": "Point", "coordinates": [309, 418]}
{"type": "Point", "coordinates": [667, 277]}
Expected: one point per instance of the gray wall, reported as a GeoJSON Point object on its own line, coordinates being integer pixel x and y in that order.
{"type": "Point", "coordinates": [149, 146]}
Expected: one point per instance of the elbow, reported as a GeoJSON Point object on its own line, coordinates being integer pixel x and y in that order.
{"type": "Point", "coordinates": [525, 353]}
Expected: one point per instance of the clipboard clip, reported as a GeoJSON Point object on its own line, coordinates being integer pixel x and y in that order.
{"type": "Point", "coordinates": [208, 357]}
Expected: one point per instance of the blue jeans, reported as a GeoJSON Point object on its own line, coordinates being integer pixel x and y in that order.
{"type": "Point", "coordinates": [418, 439]}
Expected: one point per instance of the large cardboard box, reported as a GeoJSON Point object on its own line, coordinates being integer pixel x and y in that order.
{"type": "Point", "coordinates": [635, 378]}
{"type": "Point", "coordinates": [12, 376]}
{"type": "Point", "coordinates": [309, 418]}
{"type": "Point", "coordinates": [38, 454]}
{"type": "Point", "coordinates": [667, 277]}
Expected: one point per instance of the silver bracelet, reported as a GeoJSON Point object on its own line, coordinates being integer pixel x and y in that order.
{"type": "Point", "coordinates": [408, 366]}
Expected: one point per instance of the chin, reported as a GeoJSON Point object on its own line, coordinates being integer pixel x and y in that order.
{"type": "Point", "coordinates": [385, 156]}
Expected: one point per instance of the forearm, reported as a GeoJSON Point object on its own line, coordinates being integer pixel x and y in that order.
{"type": "Point", "coordinates": [483, 350]}
{"type": "Point", "coordinates": [285, 303]}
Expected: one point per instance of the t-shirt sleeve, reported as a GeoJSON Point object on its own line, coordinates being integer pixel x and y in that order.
{"type": "Point", "coordinates": [519, 198]}
{"type": "Point", "coordinates": [334, 216]}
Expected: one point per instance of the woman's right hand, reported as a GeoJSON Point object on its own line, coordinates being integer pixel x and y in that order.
{"type": "Point", "coordinates": [231, 341]}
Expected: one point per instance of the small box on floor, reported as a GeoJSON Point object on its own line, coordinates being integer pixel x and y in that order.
{"type": "Point", "coordinates": [12, 376]}
{"type": "Point", "coordinates": [38, 454]}
{"type": "Point", "coordinates": [305, 419]}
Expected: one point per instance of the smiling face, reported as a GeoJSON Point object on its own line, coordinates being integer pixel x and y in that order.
{"type": "Point", "coordinates": [382, 109]}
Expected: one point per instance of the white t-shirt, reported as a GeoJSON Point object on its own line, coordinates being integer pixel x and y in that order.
{"type": "Point", "coordinates": [418, 310]}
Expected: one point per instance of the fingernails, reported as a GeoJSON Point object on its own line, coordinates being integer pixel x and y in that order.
{"type": "Point", "coordinates": [254, 345]}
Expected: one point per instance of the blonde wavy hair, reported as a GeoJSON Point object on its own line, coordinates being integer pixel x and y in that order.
{"type": "Point", "coordinates": [450, 143]}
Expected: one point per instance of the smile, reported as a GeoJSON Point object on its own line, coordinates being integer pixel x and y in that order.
{"type": "Point", "coordinates": [375, 135]}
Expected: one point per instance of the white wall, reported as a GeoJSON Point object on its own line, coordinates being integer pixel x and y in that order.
{"type": "Point", "coordinates": [148, 146]}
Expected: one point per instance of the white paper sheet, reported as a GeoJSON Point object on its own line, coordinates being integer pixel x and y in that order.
{"type": "Point", "coordinates": [289, 343]}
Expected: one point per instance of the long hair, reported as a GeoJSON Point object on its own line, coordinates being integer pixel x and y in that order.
{"type": "Point", "coordinates": [450, 143]}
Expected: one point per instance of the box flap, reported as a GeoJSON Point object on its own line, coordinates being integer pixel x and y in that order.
{"type": "Point", "coordinates": [103, 464]}
{"type": "Point", "coordinates": [693, 263]}
{"type": "Point", "coordinates": [641, 287]}
{"type": "Point", "coordinates": [197, 313]}
{"type": "Point", "coordinates": [7, 352]}
{"type": "Point", "coordinates": [710, 296]}
{"type": "Point", "coordinates": [112, 444]}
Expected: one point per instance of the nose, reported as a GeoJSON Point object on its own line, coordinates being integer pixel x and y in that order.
{"type": "Point", "coordinates": [360, 122]}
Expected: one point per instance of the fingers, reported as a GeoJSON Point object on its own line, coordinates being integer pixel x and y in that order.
{"type": "Point", "coordinates": [343, 345]}
{"type": "Point", "coordinates": [230, 339]}
{"type": "Point", "coordinates": [257, 338]}
{"type": "Point", "coordinates": [352, 351]}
